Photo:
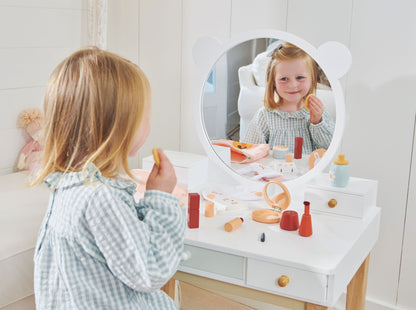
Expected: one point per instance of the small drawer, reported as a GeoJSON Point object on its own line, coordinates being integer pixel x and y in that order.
{"type": "Point", "coordinates": [286, 281]}
{"type": "Point", "coordinates": [354, 200]}
{"type": "Point", "coordinates": [336, 202]}
{"type": "Point", "coordinates": [215, 262]}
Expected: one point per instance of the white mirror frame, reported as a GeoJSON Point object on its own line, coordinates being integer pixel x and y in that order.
{"type": "Point", "coordinates": [208, 56]}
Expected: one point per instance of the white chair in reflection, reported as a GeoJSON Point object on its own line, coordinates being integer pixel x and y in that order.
{"type": "Point", "coordinates": [252, 87]}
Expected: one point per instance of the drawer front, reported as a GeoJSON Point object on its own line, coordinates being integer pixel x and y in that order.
{"type": "Point", "coordinates": [302, 284]}
{"type": "Point", "coordinates": [346, 204]}
{"type": "Point", "coordinates": [219, 263]}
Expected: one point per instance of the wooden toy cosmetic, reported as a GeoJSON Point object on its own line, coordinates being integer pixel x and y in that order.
{"type": "Point", "coordinates": [305, 228]}
{"type": "Point", "coordinates": [156, 156]}
{"type": "Point", "coordinates": [193, 210]}
{"type": "Point", "coordinates": [233, 224]}
{"type": "Point", "coordinates": [209, 209]}
{"type": "Point", "coordinates": [339, 173]}
{"type": "Point", "coordinates": [306, 105]}
{"type": "Point", "coordinates": [290, 220]}
{"type": "Point", "coordinates": [280, 151]}
{"type": "Point", "coordinates": [315, 157]}
{"type": "Point", "coordinates": [298, 147]}
{"type": "Point", "coordinates": [278, 203]}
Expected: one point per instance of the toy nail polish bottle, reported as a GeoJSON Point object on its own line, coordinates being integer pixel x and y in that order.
{"type": "Point", "coordinates": [339, 173]}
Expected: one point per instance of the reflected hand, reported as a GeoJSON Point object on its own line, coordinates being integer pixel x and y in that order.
{"type": "Point", "coordinates": [162, 178]}
{"type": "Point", "coordinates": [316, 109]}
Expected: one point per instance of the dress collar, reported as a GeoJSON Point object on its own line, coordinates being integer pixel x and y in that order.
{"type": "Point", "coordinates": [92, 175]}
{"type": "Point", "coordinates": [302, 113]}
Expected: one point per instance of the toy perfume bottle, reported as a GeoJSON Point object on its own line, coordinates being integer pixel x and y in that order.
{"type": "Point", "coordinates": [305, 228]}
{"type": "Point", "coordinates": [339, 172]}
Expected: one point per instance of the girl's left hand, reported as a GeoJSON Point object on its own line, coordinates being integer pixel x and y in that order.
{"type": "Point", "coordinates": [316, 109]}
{"type": "Point", "coordinates": [162, 177]}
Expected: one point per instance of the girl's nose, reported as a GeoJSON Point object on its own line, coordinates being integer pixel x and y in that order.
{"type": "Point", "coordinates": [293, 83]}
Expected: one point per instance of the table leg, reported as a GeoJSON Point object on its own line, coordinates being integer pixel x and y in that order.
{"type": "Point", "coordinates": [309, 306]}
{"type": "Point", "coordinates": [169, 288]}
{"type": "Point", "coordinates": [356, 290]}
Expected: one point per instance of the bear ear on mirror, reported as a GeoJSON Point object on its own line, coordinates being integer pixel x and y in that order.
{"type": "Point", "coordinates": [205, 51]}
{"type": "Point", "coordinates": [335, 58]}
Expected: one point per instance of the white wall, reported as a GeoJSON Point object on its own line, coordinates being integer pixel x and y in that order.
{"type": "Point", "coordinates": [34, 37]}
{"type": "Point", "coordinates": [381, 109]}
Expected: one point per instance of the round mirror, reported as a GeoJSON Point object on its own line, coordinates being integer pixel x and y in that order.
{"type": "Point", "coordinates": [238, 132]}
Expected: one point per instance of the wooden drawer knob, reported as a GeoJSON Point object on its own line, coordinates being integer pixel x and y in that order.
{"type": "Point", "coordinates": [332, 203]}
{"type": "Point", "coordinates": [283, 281]}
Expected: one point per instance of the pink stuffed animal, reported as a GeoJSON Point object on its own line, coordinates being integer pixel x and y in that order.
{"type": "Point", "coordinates": [31, 120]}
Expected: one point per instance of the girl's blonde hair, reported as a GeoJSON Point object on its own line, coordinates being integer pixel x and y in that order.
{"type": "Point", "coordinates": [286, 51]}
{"type": "Point", "coordinates": [94, 104]}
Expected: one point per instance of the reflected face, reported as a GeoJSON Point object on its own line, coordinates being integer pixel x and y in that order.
{"type": "Point", "coordinates": [292, 81]}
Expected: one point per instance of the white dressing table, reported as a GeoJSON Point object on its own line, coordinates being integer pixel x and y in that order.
{"type": "Point", "coordinates": [319, 268]}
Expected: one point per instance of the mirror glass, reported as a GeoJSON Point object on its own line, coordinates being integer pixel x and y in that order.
{"type": "Point", "coordinates": [232, 111]}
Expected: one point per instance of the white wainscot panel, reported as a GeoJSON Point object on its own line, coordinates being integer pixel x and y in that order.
{"type": "Point", "coordinates": [13, 141]}
{"type": "Point", "coordinates": [63, 4]}
{"type": "Point", "coordinates": [375, 88]}
{"type": "Point", "coordinates": [320, 20]}
{"type": "Point", "coordinates": [28, 67]}
{"type": "Point", "coordinates": [200, 19]}
{"type": "Point", "coordinates": [160, 59]}
{"type": "Point", "coordinates": [14, 101]}
{"type": "Point", "coordinates": [406, 294]}
{"type": "Point", "coordinates": [34, 27]}
{"type": "Point", "coordinates": [249, 15]}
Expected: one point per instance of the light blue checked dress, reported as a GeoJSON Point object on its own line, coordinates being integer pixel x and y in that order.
{"type": "Point", "coordinates": [276, 127]}
{"type": "Point", "coordinates": [97, 249]}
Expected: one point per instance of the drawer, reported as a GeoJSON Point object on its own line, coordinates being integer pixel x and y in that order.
{"type": "Point", "coordinates": [345, 204]}
{"type": "Point", "coordinates": [215, 262]}
{"type": "Point", "coordinates": [355, 200]}
{"type": "Point", "coordinates": [302, 284]}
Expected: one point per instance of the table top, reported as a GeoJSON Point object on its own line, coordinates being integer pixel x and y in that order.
{"type": "Point", "coordinates": [333, 238]}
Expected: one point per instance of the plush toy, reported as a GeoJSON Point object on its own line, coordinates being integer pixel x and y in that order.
{"type": "Point", "coordinates": [31, 120]}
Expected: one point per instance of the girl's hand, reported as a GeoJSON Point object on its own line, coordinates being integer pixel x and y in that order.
{"type": "Point", "coordinates": [316, 109]}
{"type": "Point", "coordinates": [162, 178]}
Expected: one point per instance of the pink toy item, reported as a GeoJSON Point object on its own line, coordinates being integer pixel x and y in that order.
{"type": "Point", "coordinates": [244, 153]}
{"type": "Point", "coordinates": [29, 158]}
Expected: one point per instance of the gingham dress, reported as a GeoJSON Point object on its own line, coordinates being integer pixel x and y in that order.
{"type": "Point", "coordinates": [276, 127]}
{"type": "Point", "coordinates": [97, 249]}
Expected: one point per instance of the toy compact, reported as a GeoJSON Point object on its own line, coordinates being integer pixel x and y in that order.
{"type": "Point", "coordinates": [278, 203]}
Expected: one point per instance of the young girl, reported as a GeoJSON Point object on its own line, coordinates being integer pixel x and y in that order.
{"type": "Point", "coordinates": [291, 77]}
{"type": "Point", "coordinates": [96, 248]}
